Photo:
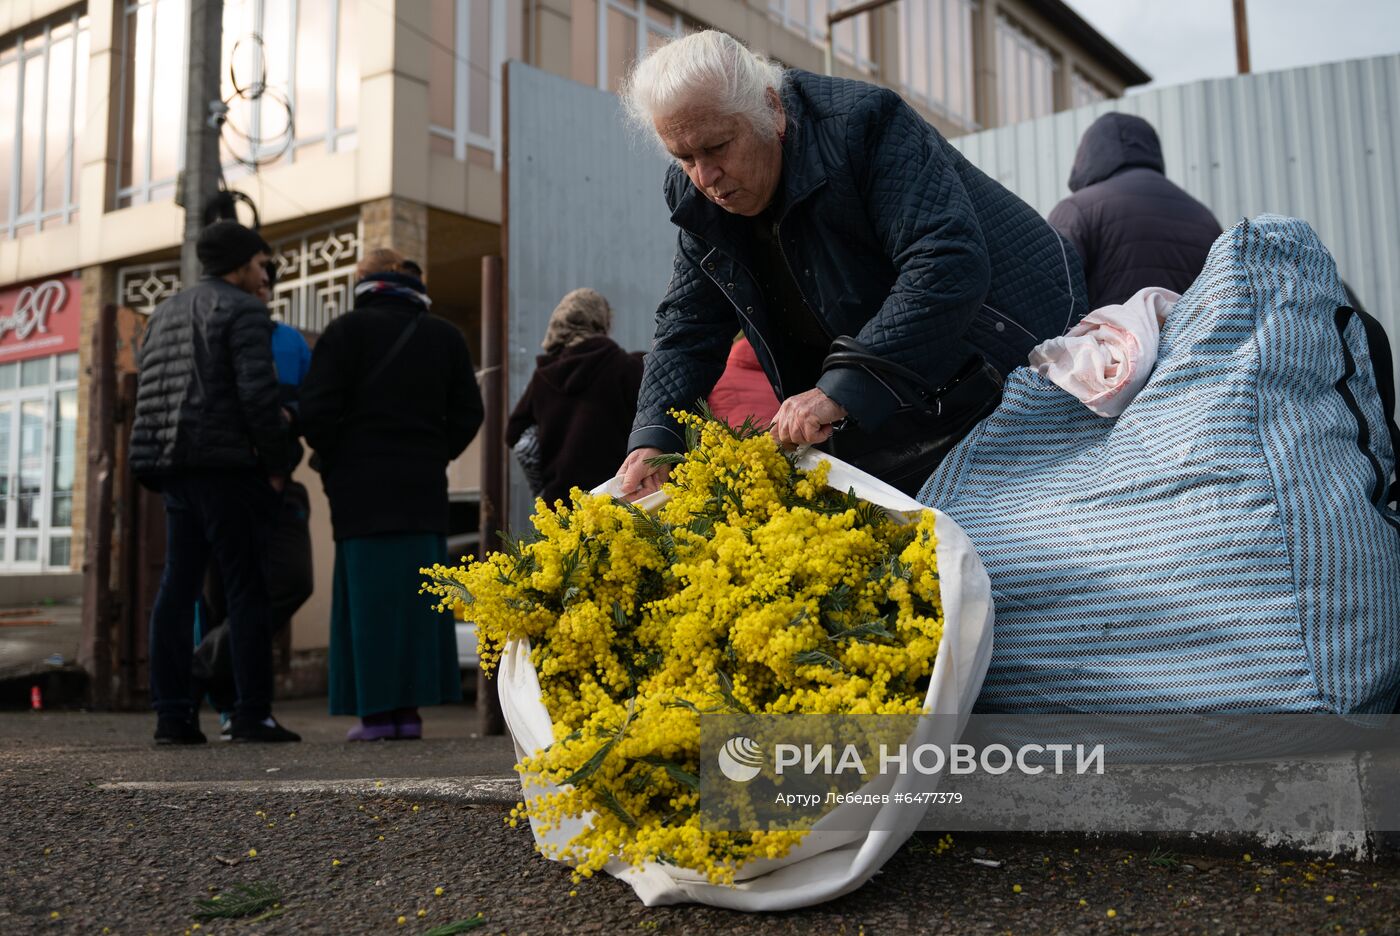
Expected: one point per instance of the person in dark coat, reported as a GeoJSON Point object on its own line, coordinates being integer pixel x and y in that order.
{"type": "Point", "coordinates": [812, 209]}
{"type": "Point", "coordinates": [580, 398]}
{"type": "Point", "coordinates": [210, 435]}
{"type": "Point", "coordinates": [389, 400]}
{"type": "Point", "coordinates": [1130, 224]}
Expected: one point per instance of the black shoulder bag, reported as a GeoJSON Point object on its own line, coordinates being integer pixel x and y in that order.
{"type": "Point", "coordinates": [928, 423]}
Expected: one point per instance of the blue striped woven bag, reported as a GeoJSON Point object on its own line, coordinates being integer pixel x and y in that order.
{"type": "Point", "coordinates": [1224, 544]}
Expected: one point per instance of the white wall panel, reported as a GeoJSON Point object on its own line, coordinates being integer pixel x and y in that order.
{"type": "Point", "coordinates": [584, 208]}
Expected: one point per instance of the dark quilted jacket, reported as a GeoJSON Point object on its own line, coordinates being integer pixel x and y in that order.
{"type": "Point", "coordinates": [207, 395]}
{"type": "Point", "coordinates": [1130, 224]}
{"type": "Point", "coordinates": [893, 237]}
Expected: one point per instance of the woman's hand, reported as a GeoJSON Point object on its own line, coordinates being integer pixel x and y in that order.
{"type": "Point", "coordinates": [806, 419]}
{"type": "Point", "coordinates": [640, 479]}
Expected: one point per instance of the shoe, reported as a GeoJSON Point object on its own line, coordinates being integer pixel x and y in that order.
{"type": "Point", "coordinates": [225, 727]}
{"type": "Point", "coordinates": [266, 731]}
{"type": "Point", "coordinates": [171, 729]}
{"type": "Point", "coordinates": [408, 725]}
{"type": "Point", "coordinates": [371, 731]}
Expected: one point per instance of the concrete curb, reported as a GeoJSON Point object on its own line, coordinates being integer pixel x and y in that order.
{"type": "Point", "coordinates": [472, 791]}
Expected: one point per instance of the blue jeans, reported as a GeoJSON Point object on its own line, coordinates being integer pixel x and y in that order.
{"type": "Point", "coordinates": [226, 515]}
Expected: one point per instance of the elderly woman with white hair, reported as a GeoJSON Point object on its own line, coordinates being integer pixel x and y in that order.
{"type": "Point", "coordinates": [885, 282]}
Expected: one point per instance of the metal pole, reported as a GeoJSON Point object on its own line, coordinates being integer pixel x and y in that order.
{"type": "Point", "coordinates": [95, 649]}
{"type": "Point", "coordinates": [1241, 38]}
{"type": "Point", "coordinates": [833, 18]}
{"type": "Point", "coordinates": [200, 179]}
{"type": "Point", "coordinates": [493, 454]}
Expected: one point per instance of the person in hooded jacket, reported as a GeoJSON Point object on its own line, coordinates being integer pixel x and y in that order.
{"type": "Point", "coordinates": [390, 399]}
{"type": "Point", "coordinates": [1132, 226]}
{"type": "Point", "coordinates": [580, 399]}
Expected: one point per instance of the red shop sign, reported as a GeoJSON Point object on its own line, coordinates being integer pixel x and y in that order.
{"type": "Point", "coordinates": [40, 319]}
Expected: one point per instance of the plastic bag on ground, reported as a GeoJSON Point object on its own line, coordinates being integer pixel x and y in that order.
{"type": "Point", "coordinates": [828, 863]}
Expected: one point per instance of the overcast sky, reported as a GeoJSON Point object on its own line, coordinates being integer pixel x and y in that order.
{"type": "Point", "coordinates": [1177, 41]}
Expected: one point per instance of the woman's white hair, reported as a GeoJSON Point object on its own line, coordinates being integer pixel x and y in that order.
{"type": "Point", "coordinates": [707, 69]}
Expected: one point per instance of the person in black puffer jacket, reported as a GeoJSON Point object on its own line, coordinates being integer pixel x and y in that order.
{"type": "Point", "coordinates": [390, 399]}
{"type": "Point", "coordinates": [1131, 225]}
{"type": "Point", "coordinates": [210, 435]}
{"type": "Point", "coordinates": [816, 213]}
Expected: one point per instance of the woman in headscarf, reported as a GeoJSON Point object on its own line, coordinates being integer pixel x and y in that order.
{"type": "Point", "coordinates": [580, 399]}
{"type": "Point", "coordinates": [885, 282]}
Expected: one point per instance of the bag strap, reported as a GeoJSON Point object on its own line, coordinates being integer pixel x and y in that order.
{"type": "Point", "coordinates": [359, 390]}
{"type": "Point", "coordinates": [393, 351]}
{"type": "Point", "coordinates": [1378, 345]}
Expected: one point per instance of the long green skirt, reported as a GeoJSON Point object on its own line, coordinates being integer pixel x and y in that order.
{"type": "Point", "coordinates": [389, 648]}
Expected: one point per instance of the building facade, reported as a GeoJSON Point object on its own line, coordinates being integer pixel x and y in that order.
{"type": "Point", "coordinates": [358, 123]}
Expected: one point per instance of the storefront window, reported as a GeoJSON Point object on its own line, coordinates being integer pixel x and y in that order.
{"type": "Point", "coordinates": [38, 432]}
{"type": "Point", "coordinates": [65, 423]}
{"type": "Point", "coordinates": [308, 55]}
{"type": "Point", "coordinates": [470, 41]}
{"type": "Point", "coordinates": [34, 373]}
{"type": "Point", "coordinates": [935, 67]}
{"type": "Point", "coordinates": [7, 409]}
{"type": "Point", "coordinates": [1025, 75]}
{"type": "Point", "coordinates": [851, 41]}
{"type": "Point", "coordinates": [31, 464]}
{"type": "Point", "coordinates": [43, 108]}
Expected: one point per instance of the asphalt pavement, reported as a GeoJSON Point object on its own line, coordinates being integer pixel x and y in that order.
{"type": "Point", "coordinates": [102, 832]}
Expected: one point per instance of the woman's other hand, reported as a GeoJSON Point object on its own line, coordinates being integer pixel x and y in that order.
{"type": "Point", "coordinates": [640, 479]}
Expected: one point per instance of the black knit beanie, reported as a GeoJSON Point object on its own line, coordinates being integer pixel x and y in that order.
{"type": "Point", "coordinates": [224, 246]}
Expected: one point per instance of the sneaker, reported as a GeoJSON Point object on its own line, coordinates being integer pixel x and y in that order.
{"type": "Point", "coordinates": [171, 729]}
{"type": "Point", "coordinates": [225, 727]}
{"type": "Point", "coordinates": [266, 731]}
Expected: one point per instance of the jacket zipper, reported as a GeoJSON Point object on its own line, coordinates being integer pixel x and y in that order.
{"type": "Point", "coordinates": [821, 323]}
{"type": "Point", "coordinates": [740, 309]}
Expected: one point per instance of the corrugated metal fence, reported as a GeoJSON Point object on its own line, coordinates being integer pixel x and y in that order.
{"type": "Point", "coordinates": [1316, 143]}
{"type": "Point", "coordinates": [585, 208]}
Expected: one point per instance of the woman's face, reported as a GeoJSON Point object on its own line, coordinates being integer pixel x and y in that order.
{"type": "Point", "coordinates": [725, 158]}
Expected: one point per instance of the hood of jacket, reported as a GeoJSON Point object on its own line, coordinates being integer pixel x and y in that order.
{"type": "Point", "coordinates": [1113, 143]}
{"type": "Point", "coordinates": [574, 368]}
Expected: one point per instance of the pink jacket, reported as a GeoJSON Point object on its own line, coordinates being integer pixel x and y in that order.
{"type": "Point", "coordinates": [743, 390]}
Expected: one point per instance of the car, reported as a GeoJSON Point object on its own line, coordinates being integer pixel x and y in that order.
{"type": "Point", "coordinates": [464, 539]}
{"type": "Point", "coordinates": [467, 657]}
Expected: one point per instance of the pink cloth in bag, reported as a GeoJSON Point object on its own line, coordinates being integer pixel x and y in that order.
{"type": "Point", "coordinates": [1107, 357]}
